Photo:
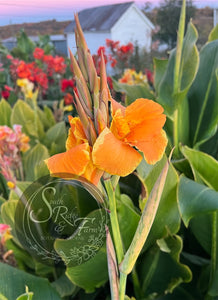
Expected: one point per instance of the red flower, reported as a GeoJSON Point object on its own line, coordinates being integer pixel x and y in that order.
{"type": "Point", "coordinates": [6, 92]}
{"type": "Point", "coordinates": [68, 99]}
{"type": "Point", "coordinates": [38, 53]}
{"type": "Point", "coordinates": [9, 56]}
{"type": "Point", "coordinates": [54, 64]}
{"type": "Point", "coordinates": [150, 76]}
{"type": "Point", "coordinates": [23, 70]}
{"type": "Point", "coordinates": [67, 83]}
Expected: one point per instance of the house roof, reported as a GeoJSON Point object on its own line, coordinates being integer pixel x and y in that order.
{"type": "Point", "coordinates": [101, 18]}
{"type": "Point", "coordinates": [55, 37]}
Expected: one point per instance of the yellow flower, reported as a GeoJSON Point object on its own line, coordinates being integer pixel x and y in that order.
{"type": "Point", "coordinates": [132, 77]}
{"type": "Point", "coordinates": [26, 87]}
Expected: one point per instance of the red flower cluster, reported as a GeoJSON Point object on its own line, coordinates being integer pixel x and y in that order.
{"type": "Point", "coordinates": [31, 71]}
{"type": "Point", "coordinates": [6, 92]}
{"type": "Point", "coordinates": [54, 64]}
{"type": "Point", "coordinates": [38, 53]}
{"type": "Point", "coordinates": [67, 83]}
{"type": "Point", "coordinates": [68, 99]}
{"type": "Point", "coordinates": [122, 53]}
{"type": "Point", "coordinates": [40, 76]}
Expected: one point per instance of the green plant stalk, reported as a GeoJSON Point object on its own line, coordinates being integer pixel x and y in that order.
{"type": "Point", "coordinates": [114, 220]}
{"type": "Point", "coordinates": [145, 223]}
{"type": "Point", "coordinates": [214, 247]}
{"type": "Point", "coordinates": [180, 37]}
{"type": "Point", "coordinates": [177, 75]}
{"type": "Point", "coordinates": [122, 286]}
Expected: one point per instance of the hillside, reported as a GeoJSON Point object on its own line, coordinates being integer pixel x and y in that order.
{"type": "Point", "coordinates": [33, 29]}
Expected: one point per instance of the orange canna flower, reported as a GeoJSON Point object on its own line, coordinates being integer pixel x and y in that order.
{"type": "Point", "coordinates": [94, 144]}
{"type": "Point", "coordinates": [77, 159]}
{"type": "Point", "coordinates": [137, 126]}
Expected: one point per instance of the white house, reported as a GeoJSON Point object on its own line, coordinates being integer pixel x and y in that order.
{"type": "Point", "coordinates": [119, 22]}
{"type": "Point", "coordinates": [215, 17]}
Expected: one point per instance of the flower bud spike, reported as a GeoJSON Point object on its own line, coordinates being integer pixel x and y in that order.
{"type": "Point", "coordinates": [83, 103]}
{"type": "Point", "coordinates": [92, 74]}
{"type": "Point", "coordinates": [81, 59]}
{"type": "Point", "coordinates": [80, 39]}
{"type": "Point", "coordinates": [103, 90]}
{"type": "Point", "coordinates": [80, 81]}
{"type": "Point", "coordinates": [83, 117]}
{"type": "Point", "coordinates": [93, 134]}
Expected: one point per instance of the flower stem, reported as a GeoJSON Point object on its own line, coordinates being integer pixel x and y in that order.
{"type": "Point", "coordinates": [122, 286]}
{"type": "Point", "coordinates": [114, 220]}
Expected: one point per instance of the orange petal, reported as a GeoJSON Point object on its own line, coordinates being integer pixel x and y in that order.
{"type": "Point", "coordinates": [142, 109]}
{"type": "Point", "coordinates": [76, 134]}
{"type": "Point", "coordinates": [153, 148]}
{"type": "Point", "coordinates": [115, 106]}
{"type": "Point", "coordinates": [92, 173]}
{"type": "Point", "coordinates": [119, 125]}
{"type": "Point", "coordinates": [113, 155]}
{"type": "Point", "coordinates": [73, 161]}
{"type": "Point", "coordinates": [146, 129]}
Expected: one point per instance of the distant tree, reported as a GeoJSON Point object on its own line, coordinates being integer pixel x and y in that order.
{"type": "Point", "coordinates": [168, 19]}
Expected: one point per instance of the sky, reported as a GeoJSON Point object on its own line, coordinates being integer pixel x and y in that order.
{"type": "Point", "coordinates": [20, 11]}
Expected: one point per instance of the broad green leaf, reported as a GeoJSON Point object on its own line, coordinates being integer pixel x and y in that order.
{"type": "Point", "coordinates": [213, 291]}
{"type": "Point", "coordinates": [213, 34]}
{"type": "Point", "coordinates": [24, 115]}
{"type": "Point", "coordinates": [13, 282]}
{"type": "Point", "coordinates": [201, 226]}
{"type": "Point", "coordinates": [34, 164]}
{"type": "Point", "coordinates": [49, 116]}
{"type": "Point", "coordinates": [55, 138]}
{"type": "Point", "coordinates": [187, 72]}
{"type": "Point", "coordinates": [23, 259]}
{"type": "Point", "coordinates": [195, 199]}
{"type": "Point", "coordinates": [64, 286]}
{"type": "Point", "coordinates": [5, 113]}
{"type": "Point", "coordinates": [167, 217]}
{"type": "Point", "coordinates": [205, 228]}
{"type": "Point", "coordinates": [203, 165]}
{"type": "Point", "coordinates": [46, 117]}
{"type": "Point", "coordinates": [2, 297]}
{"type": "Point", "coordinates": [203, 96]}
{"type": "Point", "coordinates": [2, 200]}
{"type": "Point", "coordinates": [133, 92]}
{"type": "Point", "coordinates": [22, 185]}
{"type": "Point", "coordinates": [128, 219]}
{"type": "Point", "coordinates": [91, 274]}
{"type": "Point", "coordinates": [8, 214]}
{"type": "Point", "coordinates": [160, 66]}
{"type": "Point", "coordinates": [161, 272]}
{"type": "Point", "coordinates": [26, 296]}
{"type": "Point", "coordinates": [86, 267]}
